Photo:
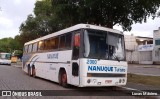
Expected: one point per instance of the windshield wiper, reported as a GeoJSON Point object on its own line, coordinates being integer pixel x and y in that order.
{"type": "Point", "coordinates": [117, 58]}
{"type": "Point", "coordinates": [99, 56]}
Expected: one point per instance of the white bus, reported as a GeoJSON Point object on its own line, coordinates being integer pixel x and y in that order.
{"type": "Point", "coordinates": [5, 58]}
{"type": "Point", "coordinates": [82, 55]}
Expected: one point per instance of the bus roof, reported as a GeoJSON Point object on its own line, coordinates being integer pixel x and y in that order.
{"type": "Point", "coordinates": [75, 27]}
{"type": "Point", "coordinates": [4, 53]}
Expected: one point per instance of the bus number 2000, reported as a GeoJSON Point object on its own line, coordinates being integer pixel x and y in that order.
{"type": "Point", "coordinates": [89, 61]}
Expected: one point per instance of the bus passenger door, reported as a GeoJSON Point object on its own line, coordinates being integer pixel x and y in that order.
{"type": "Point", "coordinates": [75, 59]}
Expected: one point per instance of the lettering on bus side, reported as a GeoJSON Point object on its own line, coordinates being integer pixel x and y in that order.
{"type": "Point", "coordinates": [100, 68]}
{"type": "Point", "coordinates": [106, 68]}
{"type": "Point", "coordinates": [91, 61]}
{"type": "Point", "coordinates": [52, 56]}
{"type": "Point", "coordinates": [118, 69]}
{"type": "Point", "coordinates": [52, 68]}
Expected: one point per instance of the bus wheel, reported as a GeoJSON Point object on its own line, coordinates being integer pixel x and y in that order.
{"type": "Point", "coordinates": [33, 72]}
{"type": "Point", "coordinates": [64, 79]}
{"type": "Point", "coordinates": [29, 71]}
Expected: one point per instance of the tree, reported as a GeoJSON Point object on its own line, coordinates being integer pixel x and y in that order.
{"type": "Point", "coordinates": [40, 24]}
{"type": "Point", "coordinates": [9, 45]}
{"type": "Point", "coordinates": [105, 12]}
{"type": "Point", "coordinates": [28, 30]}
{"type": "Point", "coordinates": [53, 15]}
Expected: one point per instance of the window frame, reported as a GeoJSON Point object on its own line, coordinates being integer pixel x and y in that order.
{"type": "Point", "coordinates": [25, 49]}
{"type": "Point", "coordinates": [35, 46]}
{"type": "Point", "coordinates": [66, 39]}
{"type": "Point", "coordinates": [30, 48]}
{"type": "Point", "coordinates": [80, 31]}
{"type": "Point", "coordinates": [157, 42]}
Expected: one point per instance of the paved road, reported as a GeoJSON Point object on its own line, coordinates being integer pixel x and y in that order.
{"type": "Point", "coordinates": [144, 69]}
{"type": "Point", "coordinates": [13, 78]}
{"type": "Point", "coordinates": [132, 68]}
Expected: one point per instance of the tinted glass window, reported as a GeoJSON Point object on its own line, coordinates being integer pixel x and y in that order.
{"type": "Point", "coordinates": [103, 45]}
{"type": "Point", "coordinates": [40, 45]}
{"type": "Point", "coordinates": [62, 42]}
{"type": "Point", "coordinates": [48, 45]}
{"type": "Point", "coordinates": [68, 40]}
{"type": "Point", "coordinates": [54, 42]}
{"type": "Point", "coordinates": [5, 56]}
{"type": "Point", "coordinates": [157, 42]}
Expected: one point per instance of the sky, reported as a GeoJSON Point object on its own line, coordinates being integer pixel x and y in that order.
{"type": "Point", "coordinates": [14, 12]}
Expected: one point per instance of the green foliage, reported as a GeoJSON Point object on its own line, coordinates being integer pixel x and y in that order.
{"type": "Point", "coordinates": [9, 45]}
{"type": "Point", "coordinates": [105, 12]}
{"type": "Point", "coordinates": [142, 79]}
{"type": "Point", "coordinates": [53, 15]}
{"type": "Point", "coordinates": [5, 45]}
{"type": "Point", "coordinates": [28, 30]}
{"type": "Point", "coordinates": [17, 53]}
{"type": "Point", "coordinates": [41, 24]}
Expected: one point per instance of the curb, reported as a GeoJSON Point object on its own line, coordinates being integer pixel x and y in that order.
{"type": "Point", "coordinates": [127, 90]}
{"type": "Point", "coordinates": [144, 74]}
{"type": "Point", "coordinates": [153, 66]}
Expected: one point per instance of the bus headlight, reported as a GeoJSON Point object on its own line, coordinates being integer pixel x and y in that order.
{"type": "Point", "coordinates": [99, 83]}
{"type": "Point", "coordinates": [94, 80]}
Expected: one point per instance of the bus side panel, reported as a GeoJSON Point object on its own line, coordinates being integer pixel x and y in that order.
{"type": "Point", "coordinates": [63, 62]}
{"type": "Point", "coordinates": [48, 64]}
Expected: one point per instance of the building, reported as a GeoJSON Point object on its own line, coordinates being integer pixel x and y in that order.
{"type": "Point", "coordinates": [138, 49]}
{"type": "Point", "coordinates": [156, 44]}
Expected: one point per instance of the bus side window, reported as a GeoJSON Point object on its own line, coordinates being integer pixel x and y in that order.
{"type": "Point", "coordinates": [55, 42]}
{"type": "Point", "coordinates": [40, 45]}
{"type": "Point", "coordinates": [26, 49]}
{"type": "Point", "coordinates": [76, 46]}
{"type": "Point", "coordinates": [47, 44]}
{"type": "Point", "coordinates": [68, 40]}
{"type": "Point", "coordinates": [62, 42]}
{"type": "Point", "coordinates": [30, 48]}
{"type": "Point", "coordinates": [35, 47]}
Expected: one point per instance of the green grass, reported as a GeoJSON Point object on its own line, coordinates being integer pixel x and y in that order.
{"type": "Point", "coordinates": [141, 79]}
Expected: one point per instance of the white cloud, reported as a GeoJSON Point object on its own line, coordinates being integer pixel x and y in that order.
{"type": "Point", "coordinates": [17, 2]}
{"type": "Point", "coordinates": [13, 13]}
{"type": "Point", "coordinates": [5, 22]}
{"type": "Point", "coordinates": [8, 33]}
{"type": "Point", "coordinates": [144, 29]}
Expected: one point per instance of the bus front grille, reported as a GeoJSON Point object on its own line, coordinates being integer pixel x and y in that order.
{"type": "Point", "coordinates": [105, 75]}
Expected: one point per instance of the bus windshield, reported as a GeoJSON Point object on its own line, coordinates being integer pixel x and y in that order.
{"type": "Point", "coordinates": [5, 56]}
{"type": "Point", "coordinates": [103, 45]}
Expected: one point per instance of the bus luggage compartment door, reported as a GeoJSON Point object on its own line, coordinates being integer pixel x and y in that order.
{"type": "Point", "coordinates": [75, 73]}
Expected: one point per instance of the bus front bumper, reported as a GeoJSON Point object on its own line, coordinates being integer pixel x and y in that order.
{"type": "Point", "coordinates": [98, 82]}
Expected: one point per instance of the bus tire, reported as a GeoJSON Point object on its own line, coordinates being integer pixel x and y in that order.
{"type": "Point", "coordinates": [33, 71]}
{"type": "Point", "coordinates": [29, 70]}
{"type": "Point", "coordinates": [63, 78]}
